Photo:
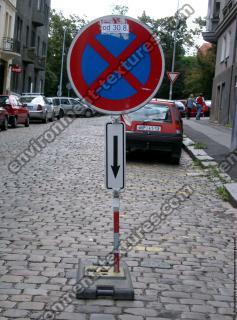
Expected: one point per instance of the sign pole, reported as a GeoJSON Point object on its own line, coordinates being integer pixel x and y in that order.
{"type": "Point", "coordinates": [116, 206]}
{"type": "Point", "coordinates": [174, 55]}
{"type": "Point", "coordinates": [116, 202]}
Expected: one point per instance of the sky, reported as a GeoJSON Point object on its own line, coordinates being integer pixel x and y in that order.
{"type": "Point", "coordinates": [93, 9]}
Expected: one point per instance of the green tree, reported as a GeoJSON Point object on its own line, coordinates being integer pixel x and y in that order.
{"type": "Point", "coordinates": [165, 29]}
{"type": "Point", "coordinates": [57, 24]}
{"type": "Point", "coordinates": [120, 10]}
{"type": "Point", "coordinates": [199, 75]}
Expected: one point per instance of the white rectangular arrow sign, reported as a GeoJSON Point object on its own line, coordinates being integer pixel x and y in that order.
{"type": "Point", "coordinates": [115, 156]}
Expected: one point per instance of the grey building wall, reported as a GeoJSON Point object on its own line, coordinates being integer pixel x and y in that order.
{"type": "Point", "coordinates": [222, 31]}
{"type": "Point", "coordinates": [31, 29]}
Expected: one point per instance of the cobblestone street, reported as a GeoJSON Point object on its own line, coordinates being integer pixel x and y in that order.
{"type": "Point", "coordinates": [57, 210]}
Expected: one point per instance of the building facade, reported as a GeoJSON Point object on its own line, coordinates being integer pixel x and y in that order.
{"type": "Point", "coordinates": [222, 31]}
{"type": "Point", "coordinates": [31, 30]}
{"type": "Point", "coordinates": [9, 48]}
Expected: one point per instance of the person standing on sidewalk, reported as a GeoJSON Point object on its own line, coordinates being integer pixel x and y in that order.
{"type": "Point", "coordinates": [199, 104]}
{"type": "Point", "coordinates": [190, 105]}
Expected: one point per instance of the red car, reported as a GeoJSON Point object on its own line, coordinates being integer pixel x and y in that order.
{"type": "Point", "coordinates": [3, 119]}
{"type": "Point", "coordinates": [156, 126]}
{"type": "Point", "coordinates": [18, 113]}
{"type": "Point", "coordinates": [205, 110]}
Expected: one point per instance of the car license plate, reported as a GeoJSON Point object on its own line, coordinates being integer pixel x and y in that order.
{"type": "Point", "coordinates": [149, 128]}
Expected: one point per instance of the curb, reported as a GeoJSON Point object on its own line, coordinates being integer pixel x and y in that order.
{"type": "Point", "coordinates": [207, 162]}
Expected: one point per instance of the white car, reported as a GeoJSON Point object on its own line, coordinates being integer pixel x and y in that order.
{"type": "Point", "coordinates": [39, 107]}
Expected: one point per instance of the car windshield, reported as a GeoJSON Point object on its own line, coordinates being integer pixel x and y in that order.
{"type": "Point", "coordinates": [4, 100]}
{"type": "Point", "coordinates": [151, 112]}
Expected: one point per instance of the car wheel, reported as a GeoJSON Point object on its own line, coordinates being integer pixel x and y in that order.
{"type": "Point", "coordinates": [175, 159]}
{"type": "Point", "coordinates": [61, 114]}
{"type": "Point", "coordinates": [4, 125]}
{"type": "Point", "coordinates": [45, 120]}
{"type": "Point", "coordinates": [88, 113]}
{"type": "Point", "coordinates": [14, 122]}
{"type": "Point", "coordinates": [27, 122]}
{"type": "Point", "coordinates": [52, 118]}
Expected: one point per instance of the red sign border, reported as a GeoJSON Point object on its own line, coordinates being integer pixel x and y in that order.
{"type": "Point", "coordinates": [123, 109]}
{"type": "Point", "coordinates": [170, 72]}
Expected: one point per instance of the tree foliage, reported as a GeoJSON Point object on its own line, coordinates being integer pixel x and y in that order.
{"type": "Point", "coordinates": [199, 75]}
{"type": "Point", "coordinates": [120, 10]}
{"type": "Point", "coordinates": [167, 29]}
{"type": "Point", "coordinates": [57, 24]}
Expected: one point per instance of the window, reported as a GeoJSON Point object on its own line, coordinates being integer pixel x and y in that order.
{"type": "Point", "coordinates": [152, 112]}
{"type": "Point", "coordinates": [43, 49]}
{"type": "Point", "coordinates": [27, 36]}
{"type": "Point", "coordinates": [19, 29]}
{"type": "Point", "coordinates": [6, 24]}
{"type": "Point", "coordinates": [38, 45]}
{"type": "Point", "coordinates": [38, 4]}
{"type": "Point", "coordinates": [222, 95]}
{"type": "Point", "coordinates": [29, 85]}
{"type": "Point", "coordinates": [217, 7]}
{"type": "Point", "coordinates": [9, 31]}
{"type": "Point", "coordinates": [73, 101]}
{"type": "Point", "coordinates": [15, 81]}
{"type": "Point", "coordinates": [228, 41]}
{"type": "Point", "coordinates": [65, 101]}
{"type": "Point", "coordinates": [223, 49]}
{"type": "Point", "coordinates": [32, 38]}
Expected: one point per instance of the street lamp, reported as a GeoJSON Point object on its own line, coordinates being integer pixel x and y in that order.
{"type": "Point", "coordinates": [174, 53]}
{"type": "Point", "coordinates": [62, 61]}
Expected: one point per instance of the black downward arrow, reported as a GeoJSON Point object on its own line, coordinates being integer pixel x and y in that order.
{"type": "Point", "coordinates": [115, 166]}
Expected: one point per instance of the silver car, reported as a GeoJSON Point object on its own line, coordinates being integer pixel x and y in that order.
{"type": "Point", "coordinates": [39, 107]}
{"type": "Point", "coordinates": [73, 107]}
{"type": "Point", "coordinates": [58, 110]}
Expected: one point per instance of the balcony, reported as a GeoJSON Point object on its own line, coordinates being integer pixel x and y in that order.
{"type": "Point", "coordinates": [210, 36]}
{"type": "Point", "coordinates": [40, 63]}
{"type": "Point", "coordinates": [29, 55]}
{"type": "Point", "coordinates": [38, 18]}
{"type": "Point", "coordinates": [10, 48]}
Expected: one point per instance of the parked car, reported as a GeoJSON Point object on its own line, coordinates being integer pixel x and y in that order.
{"type": "Point", "coordinates": [209, 105]}
{"type": "Point", "coordinates": [38, 106]}
{"type": "Point", "coordinates": [73, 106]}
{"type": "Point", "coordinates": [204, 113]}
{"type": "Point", "coordinates": [17, 112]}
{"type": "Point", "coordinates": [58, 110]}
{"type": "Point", "coordinates": [3, 119]}
{"type": "Point", "coordinates": [181, 106]}
{"type": "Point", "coordinates": [156, 126]}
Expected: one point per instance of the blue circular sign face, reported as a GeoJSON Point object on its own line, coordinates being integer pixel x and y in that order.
{"type": "Point", "coordinates": [115, 64]}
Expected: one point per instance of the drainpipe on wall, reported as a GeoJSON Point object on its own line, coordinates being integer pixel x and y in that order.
{"type": "Point", "coordinates": [234, 127]}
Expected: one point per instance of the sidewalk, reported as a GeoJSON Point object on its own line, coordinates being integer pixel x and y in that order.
{"type": "Point", "coordinates": [216, 138]}
{"type": "Point", "coordinates": [216, 142]}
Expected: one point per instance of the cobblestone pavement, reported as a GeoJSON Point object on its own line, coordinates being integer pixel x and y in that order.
{"type": "Point", "coordinates": [57, 210]}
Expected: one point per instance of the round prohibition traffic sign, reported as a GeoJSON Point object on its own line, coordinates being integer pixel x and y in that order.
{"type": "Point", "coordinates": [115, 64]}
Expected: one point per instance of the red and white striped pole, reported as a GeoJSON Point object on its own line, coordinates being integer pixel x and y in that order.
{"type": "Point", "coordinates": [116, 231]}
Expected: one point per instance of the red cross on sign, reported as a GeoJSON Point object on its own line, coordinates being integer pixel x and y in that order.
{"type": "Point", "coordinates": [115, 64]}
